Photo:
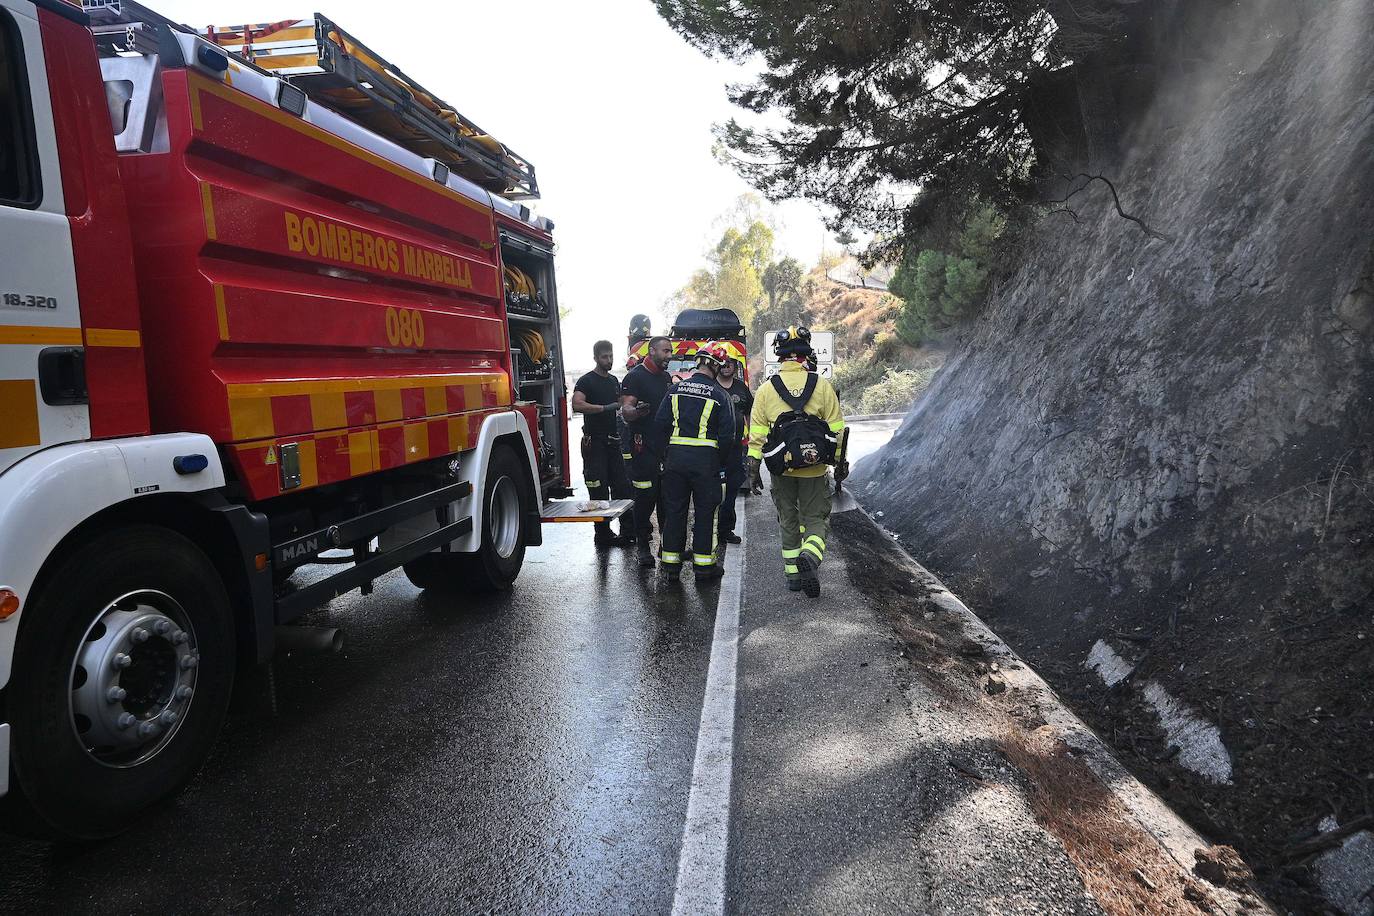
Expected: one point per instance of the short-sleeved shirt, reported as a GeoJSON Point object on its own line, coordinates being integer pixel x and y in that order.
{"type": "Point", "coordinates": [599, 389]}
{"type": "Point", "coordinates": [649, 387]}
{"type": "Point", "coordinates": [744, 403]}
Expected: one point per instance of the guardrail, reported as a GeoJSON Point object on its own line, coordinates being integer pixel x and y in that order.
{"type": "Point", "coordinates": [875, 416]}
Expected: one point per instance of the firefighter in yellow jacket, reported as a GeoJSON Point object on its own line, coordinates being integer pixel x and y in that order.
{"type": "Point", "coordinates": [801, 494]}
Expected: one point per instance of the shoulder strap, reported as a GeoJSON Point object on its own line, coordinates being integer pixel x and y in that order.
{"type": "Point", "coordinates": [796, 402]}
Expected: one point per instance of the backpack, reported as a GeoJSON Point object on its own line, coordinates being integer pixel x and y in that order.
{"type": "Point", "coordinates": [797, 439]}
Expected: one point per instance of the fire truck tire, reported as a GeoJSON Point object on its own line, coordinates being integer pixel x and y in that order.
{"type": "Point", "coordinates": [122, 676]}
{"type": "Point", "coordinates": [496, 564]}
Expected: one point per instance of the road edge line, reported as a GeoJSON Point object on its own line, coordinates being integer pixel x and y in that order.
{"type": "Point", "coordinates": [700, 887]}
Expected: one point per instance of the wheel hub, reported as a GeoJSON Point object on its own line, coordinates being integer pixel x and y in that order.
{"type": "Point", "coordinates": [133, 678]}
{"type": "Point", "coordinates": [503, 517]}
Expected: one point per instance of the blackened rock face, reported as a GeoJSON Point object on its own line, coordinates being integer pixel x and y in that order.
{"type": "Point", "coordinates": [1175, 439]}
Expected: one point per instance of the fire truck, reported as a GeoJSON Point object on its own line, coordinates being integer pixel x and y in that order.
{"type": "Point", "coordinates": [265, 303]}
{"type": "Point", "coordinates": [691, 329]}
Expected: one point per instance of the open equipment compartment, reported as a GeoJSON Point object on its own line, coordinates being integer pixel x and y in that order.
{"type": "Point", "coordinates": [537, 349]}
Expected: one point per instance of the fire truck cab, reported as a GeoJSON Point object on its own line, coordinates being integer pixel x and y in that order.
{"type": "Point", "coordinates": [265, 303]}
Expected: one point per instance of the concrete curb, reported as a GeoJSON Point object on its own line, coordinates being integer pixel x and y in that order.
{"type": "Point", "coordinates": [1175, 836]}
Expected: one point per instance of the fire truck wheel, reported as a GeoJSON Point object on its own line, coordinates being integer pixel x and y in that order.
{"type": "Point", "coordinates": [121, 680]}
{"type": "Point", "coordinates": [496, 564]}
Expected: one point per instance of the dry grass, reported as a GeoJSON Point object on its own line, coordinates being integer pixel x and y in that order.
{"type": "Point", "coordinates": [1121, 865]}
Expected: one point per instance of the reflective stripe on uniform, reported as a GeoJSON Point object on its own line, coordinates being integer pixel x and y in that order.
{"type": "Point", "coordinates": [703, 559]}
{"type": "Point", "coordinates": [706, 410]}
{"type": "Point", "coordinates": [836, 426]}
{"type": "Point", "coordinates": [815, 546]}
{"type": "Point", "coordinates": [817, 539]}
{"type": "Point", "coordinates": [626, 455]}
{"type": "Point", "coordinates": [790, 569]}
{"type": "Point", "coordinates": [593, 484]}
{"type": "Point", "coordinates": [669, 557]}
{"type": "Point", "coordinates": [756, 451]}
{"type": "Point", "coordinates": [759, 430]}
{"type": "Point", "coordinates": [691, 440]}
{"type": "Point", "coordinates": [791, 554]}
{"type": "Point", "coordinates": [643, 484]}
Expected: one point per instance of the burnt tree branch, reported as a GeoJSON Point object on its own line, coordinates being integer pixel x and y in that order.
{"type": "Point", "coordinates": [1116, 202]}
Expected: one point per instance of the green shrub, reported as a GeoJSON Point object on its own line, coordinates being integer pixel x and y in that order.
{"type": "Point", "coordinates": [895, 392]}
{"type": "Point", "coordinates": [853, 377]}
{"type": "Point", "coordinates": [939, 290]}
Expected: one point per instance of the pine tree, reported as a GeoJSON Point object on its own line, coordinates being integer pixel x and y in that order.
{"type": "Point", "coordinates": [966, 101]}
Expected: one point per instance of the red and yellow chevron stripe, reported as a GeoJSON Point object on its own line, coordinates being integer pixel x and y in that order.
{"type": "Point", "coordinates": [260, 410]}
{"type": "Point", "coordinates": [344, 428]}
{"type": "Point", "coordinates": [684, 347]}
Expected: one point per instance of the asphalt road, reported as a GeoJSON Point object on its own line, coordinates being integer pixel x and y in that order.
{"type": "Point", "coordinates": [530, 752]}
{"type": "Point", "coordinates": [536, 753]}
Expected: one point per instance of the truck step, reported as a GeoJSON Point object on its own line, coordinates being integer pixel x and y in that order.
{"type": "Point", "coordinates": [565, 510]}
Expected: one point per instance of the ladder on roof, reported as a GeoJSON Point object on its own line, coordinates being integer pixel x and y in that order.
{"type": "Point", "coordinates": [336, 70]}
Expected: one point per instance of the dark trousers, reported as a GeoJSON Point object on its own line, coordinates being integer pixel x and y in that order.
{"type": "Point", "coordinates": [691, 481]}
{"type": "Point", "coordinates": [604, 471]}
{"type": "Point", "coordinates": [645, 476]}
{"type": "Point", "coordinates": [734, 481]}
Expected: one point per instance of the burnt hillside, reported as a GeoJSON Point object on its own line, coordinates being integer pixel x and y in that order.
{"type": "Point", "coordinates": [1166, 443]}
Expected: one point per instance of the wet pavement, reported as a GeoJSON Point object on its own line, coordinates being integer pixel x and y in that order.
{"type": "Point", "coordinates": [535, 752]}
{"type": "Point", "coordinates": [527, 753]}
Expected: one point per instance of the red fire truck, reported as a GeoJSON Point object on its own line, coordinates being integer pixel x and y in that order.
{"type": "Point", "coordinates": [257, 311]}
{"type": "Point", "coordinates": [693, 328]}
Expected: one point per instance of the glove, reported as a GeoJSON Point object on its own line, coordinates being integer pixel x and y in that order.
{"type": "Point", "coordinates": [841, 472]}
{"type": "Point", "coordinates": [755, 476]}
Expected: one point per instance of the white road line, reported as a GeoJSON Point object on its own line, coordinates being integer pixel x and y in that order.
{"type": "Point", "coordinates": [701, 866]}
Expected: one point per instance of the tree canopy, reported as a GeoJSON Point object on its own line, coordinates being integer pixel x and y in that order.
{"type": "Point", "coordinates": [901, 115]}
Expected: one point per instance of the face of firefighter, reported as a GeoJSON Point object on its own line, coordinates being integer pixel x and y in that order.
{"type": "Point", "coordinates": [604, 359]}
{"type": "Point", "coordinates": [727, 371]}
{"type": "Point", "coordinates": [661, 353]}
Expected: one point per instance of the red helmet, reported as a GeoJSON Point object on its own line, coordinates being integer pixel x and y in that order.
{"type": "Point", "coordinates": [713, 352]}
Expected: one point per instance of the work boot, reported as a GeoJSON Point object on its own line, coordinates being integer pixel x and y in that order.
{"type": "Point", "coordinates": [646, 554]}
{"type": "Point", "coordinates": [794, 583]}
{"type": "Point", "coordinates": [708, 573]}
{"type": "Point", "coordinates": [603, 536]}
{"type": "Point", "coordinates": [730, 537]}
{"type": "Point", "coordinates": [670, 572]}
{"type": "Point", "coordinates": [807, 568]}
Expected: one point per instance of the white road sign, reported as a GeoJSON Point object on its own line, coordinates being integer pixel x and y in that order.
{"type": "Point", "coordinates": [824, 370]}
{"type": "Point", "coordinates": [823, 342]}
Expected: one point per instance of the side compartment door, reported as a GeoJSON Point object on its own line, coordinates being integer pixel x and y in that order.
{"type": "Point", "coordinates": [38, 306]}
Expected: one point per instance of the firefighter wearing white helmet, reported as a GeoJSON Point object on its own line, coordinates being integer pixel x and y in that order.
{"type": "Point", "coordinates": [794, 429]}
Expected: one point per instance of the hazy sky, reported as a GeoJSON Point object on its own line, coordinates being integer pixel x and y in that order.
{"type": "Point", "coordinates": [613, 109]}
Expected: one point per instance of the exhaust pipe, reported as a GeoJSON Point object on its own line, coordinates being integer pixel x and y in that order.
{"type": "Point", "coordinates": [322, 640]}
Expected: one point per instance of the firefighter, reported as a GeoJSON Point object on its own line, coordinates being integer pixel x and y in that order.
{"type": "Point", "coordinates": [743, 402]}
{"type": "Point", "coordinates": [597, 397]}
{"type": "Point", "coordinates": [801, 495]}
{"type": "Point", "coordinates": [696, 423]}
{"type": "Point", "coordinates": [640, 395]}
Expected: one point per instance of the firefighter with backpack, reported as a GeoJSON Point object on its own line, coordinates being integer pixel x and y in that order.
{"type": "Point", "coordinates": [795, 429]}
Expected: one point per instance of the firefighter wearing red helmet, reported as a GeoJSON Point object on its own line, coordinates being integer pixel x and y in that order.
{"type": "Point", "coordinates": [695, 425]}
{"type": "Point", "coordinates": [795, 426]}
